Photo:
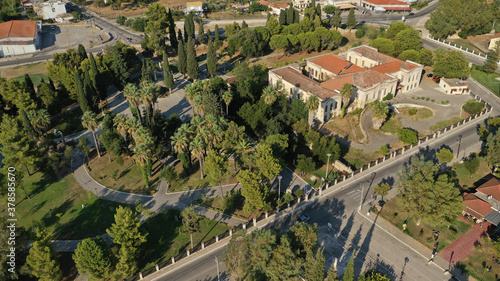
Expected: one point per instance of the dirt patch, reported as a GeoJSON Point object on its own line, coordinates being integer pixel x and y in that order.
{"type": "Point", "coordinates": [130, 9]}
{"type": "Point", "coordinates": [480, 41]}
{"type": "Point", "coordinates": [346, 127]}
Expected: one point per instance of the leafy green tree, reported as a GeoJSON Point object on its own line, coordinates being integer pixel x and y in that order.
{"type": "Point", "coordinates": [382, 189]}
{"type": "Point", "coordinates": [444, 155]}
{"type": "Point", "coordinates": [190, 222]}
{"type": "Point", "coordinates": [426, 57]}
{"type": "Point", "coordinates": [84, 145]}
{"type": "Point", "coordinates": [156, 25]}
{"type": "Point", "coordinates": [410, 55]}
{"type": "Point", "coordinates": [192, 67]}
{"type": "Point", "coordinates": [383, 45]}
{"type": "Point", "coordinates": [407, 136]}
{"type": "Point", "coordinates": [427, 194]}
{"type": "Point", "coordinates": [305, 164]}
{"type": "Point", "coordinates": [351, 19]}
{"type": "Point", "coordinates": [407, 39]}
{"type": "Point", "coordinates": [266, 164]}
{"type": "Point", "coordinates": [119, 67]}
{"type": "Point", "coordinates": [450, 64]}
{"type": "Point", "coordinates": [349, 270]}
{"type": "Point", "coordinates": [212, 59]}
{"type": "Point", "coordinates": [255, 194]}
{"type": "Point", "coordinates": [336, 20]}
{"type": "Point", "coordinates": [330, 9]}
{"type": "Point", "coordinates": [394, 29]}
{"type": "Point", "coordinates": [89, 121]}
{"type": "Point", "coordinates": [472, 164]}
{"type": "Point", "coordinates": [216, 168]}
{"type": "Point", "coordinates": [182, 58]}
{"type": "Point", "coordinates": [168, 77]}
{"type": "Point", "coordinates": [283, 263]}
{"type": "Point", "coordinates": [42, 263]}
{"type": "Point", "coordinates": [304, 237]}
{"type": "Point", "coordinates": [92, 256]}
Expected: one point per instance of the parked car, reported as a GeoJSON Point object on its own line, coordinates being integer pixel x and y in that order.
{"type": "Point", "coordinates": [430, 75]}
{"type": "Point", "coordinates": [303, 218]}
{"type": "Point", "coordinates": [436, 79]}
{"type": "Point", "coordinates": [52, 27]}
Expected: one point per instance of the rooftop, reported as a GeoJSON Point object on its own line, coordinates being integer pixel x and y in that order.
{"type": "Point", "coordinates": [455, 81]}
{"type": "Point", "coordinates": [303, 82]}
{"type": "Point", "coordinates": [372, 53]}
{"type": "Point", "coordinates": [491, 187]}
{"type": "Point", "coordinates": [18, 28]}
{"type": "Point", "coordinates": [387, 2]}
{"type": "Point", "coordinates": [475, 206]}
{"type": "Point", "coordinates": [331, 63]}
{"type": "Point", "coordinates": [393, 66]}
{"type": "Point", "coordinates": [362, 79]}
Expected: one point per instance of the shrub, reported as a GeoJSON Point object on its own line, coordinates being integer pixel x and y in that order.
{"type": "Point", "coordinates": [433, 100]}
{"type": "Point", "coordinates": [360, 33]}
{"type": "Point", "coordinates": [299, 193]}
{"type": "Point", "coordinates": [427, 99]}
{"type": "Point", "coordinates": [384, 150]}
{"type": "Point", "coordinates": [169, 174]}
{"type": "Point", "coordinates": [120, 19]}
{"type": "Point", "coordinates": [407, 135]}
{"type": "Point", "coordinates": [412, 111]}
{"type": "Point", "coordinates": [463, 34]}
{"type": "Point", "coordinates": [473, 107]}
{"type": "Point", "coordinates": [389, 96]}
{"type": "Point", "coordinates": [186, 165]}
{"type": "Point", "coordinates": [114, 175]}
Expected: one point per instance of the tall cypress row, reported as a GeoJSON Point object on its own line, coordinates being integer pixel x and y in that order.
{"type": "Point", "coordinates": [90, 93]}
{"type": "Point", "coordinates": [80, 94]}
{"type": "Point", "coordinates": [211, 59]}
{"type": "Point", "coordinates": [168, 77]}
{"type": "Point", "coordinates": [201, 33]}
{"type": "Point", "coordinates": [182, 58]}
{"type": "Point", "coordinates": [171, 30]}
{"type": "Point", "coordinates": [217, 42]}
{"type": "Point", "coordinates": [193, 69]}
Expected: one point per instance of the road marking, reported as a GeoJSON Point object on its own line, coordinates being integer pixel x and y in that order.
{"type": "Point", "coordinates": [351, 192]}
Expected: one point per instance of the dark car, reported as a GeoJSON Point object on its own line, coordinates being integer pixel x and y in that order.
{"type": "Point", "coordinates": [303, 218]}
{"type": "Point", "coordinates": [430, 75]}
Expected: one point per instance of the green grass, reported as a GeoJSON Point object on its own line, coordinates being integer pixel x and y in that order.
{"type": "Point", "coordinates": [36, 78]}
{"type": "Point", "coordinates": [463, 175]}
{"type": "Point", "coordinates": [421, 113]}
{"type": "Point", "coordinates": [466, 45]}
{"type": "Point", "coordinates": [443, 124]}
{"type": "Point", "coordinates": [231, 205]}
{"type": "Point", "coordinates": [58, 204]}
{"type": "Point", "coordinates": [446, 235]}
{"type": "Point", "coordinates": [391, 126]}
{"type": "Point", "coordinates": [473, 264]}
{"type": "Point", "coordinates": [358, 158]}
{"type": "Point", "coordinates": [166, 238]}
{"type": "Point", "coordinates": [69, 124]}
{"type": "Point", "coordinates": [487, 80]}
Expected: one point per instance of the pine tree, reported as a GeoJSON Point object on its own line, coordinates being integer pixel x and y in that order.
{"type": "Point", "coordinates": [82, 99]}
{"type": "Point", "coordinates": [182, 58]}
{"type": "Point", "coordinates": [171, 30]}
{"type": "Point", "coordinates": [193, 69]}
{"type": "Point", "coordinates": [332, 274]}
{"type": "Point", "coordinates": [282, 18]}
{"type": "Point", "coordinates": [168, 77]}
{"type": "Point", "coordinates": [349, 270]}
{"type": "Point", "coordinates": [92, 256]}
{"type": "Point", "coordinates": [212, 59]}
{"type": "Point", "coordinates": [42, 263]}
{"type": "Point", "coordinates": [125, 230]}
{"type": "Point", "coordinates": [217, 42]}
{"type": "Point", "coordinates": [351, 20]}
{"type": "Point", "coordinates": [201, 33]}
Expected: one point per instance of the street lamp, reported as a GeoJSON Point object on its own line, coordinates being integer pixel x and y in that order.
{"type": "Point", "coordinates": [279, 186]}
{"type": "Point", "coordinates": [327, 163]}
{"type": "Point", "coordinates": [459, 141]}
{"type": "Point", "coordinates": [217, 262]}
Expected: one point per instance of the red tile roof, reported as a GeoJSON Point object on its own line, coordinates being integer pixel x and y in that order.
{"type": "Point", "coordinates": [393, 66]}
{"type": "Point", "coordinates": [387, 2]}
{"type": "Point", "coordinates": [397, 8]}
{"type": "Point", "coordinates": [491, 187]}
{"type": "Point", "coordinates": [273, 5]}
{"type": "Point", "coordinates": [353, 68]}
{"type": "Point", "coordinates": [331, 63]}
{"type": "Point", "coordinates": [337, 83]}
{"type": "Point", "coordinates": [362, 79]}
{"type": "Point", "coordinates": [475, 206]}
{"type": "Point", "coordinates": [18, 28]}
{"type": "Point", "coordinates": [372, 53]}
{"type": "Point", "coordinates": [303, 82]}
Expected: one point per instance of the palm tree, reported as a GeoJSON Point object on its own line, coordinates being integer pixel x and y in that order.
{"type": "Point", "coordinates": [133, 124]}
{"type": "Point", "coordinates": [131, 93]}
{"type": "Point", "coordinates": [193, 94]}
{"type": "Point", "coordinates": [142, 156]}
{"type": "Point", "coordinates": [181, 140]}
{"type": "Point", "coordinates": [121, 123]}
{"type": "Point", "coordinates": [149, 96]}
{"type": "Point", "coordinates": [312, 104]}
{"type": "Point", "coordinates": [198, 149]}
{"type": "Point", "coordinates": [227, 97]}
{"type": "Point", "coordinates": [379, 113]}
{"type": "Point", "coordinates": [346, 93]}
{"type": "Point", "coordinates": [89, 121]}
{"type": "Point", "coordinates": [244, 146]}
{"type": "Point", "coordinates": [269, 95]}
{"type": "Point", "coordinates": [197, 123]}
{"type": "Point", "coordinates": [40, 120]}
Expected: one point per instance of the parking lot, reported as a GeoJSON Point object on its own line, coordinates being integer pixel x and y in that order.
{"type": "Point", "coordinates": [63, 36]}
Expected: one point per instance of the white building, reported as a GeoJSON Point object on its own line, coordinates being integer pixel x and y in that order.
{"type": "Point", "coordinates": [51, 10]}
{"type": "Point", "coordinates": [196, 7]}
{"type": "Point", "coordinates": [19, 37]}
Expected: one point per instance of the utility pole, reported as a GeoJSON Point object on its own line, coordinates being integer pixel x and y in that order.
{"type": "Point", "coordinates": [361, 197]}
{"type": "Point", "coordinates": [327, 163]}
{"type": "Point", "coordinates": [459, 141]}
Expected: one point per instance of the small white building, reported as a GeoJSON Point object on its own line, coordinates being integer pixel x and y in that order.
{"type": "Point", "coordinates": [19, 37]}
{"type": "Point", "coordinates": [196, 7]}
{"type": "Point", "coordinates": [453, 86]}
{"type": "Point", "coordinates": [50, 10]}
{"type": "Point", "coordinates": [386, 5]}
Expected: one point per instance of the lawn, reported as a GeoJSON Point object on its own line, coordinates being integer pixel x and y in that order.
{"type": "Point", "coordinates": [466, 45]}
{"type": "Point", "coordinates": [358, 158]}
{"type": "Point", "coordinates": [346, 127]}
{"type": "Point", "coordinates": [192, 180]}
{"type": "Point", "coordinates": [478, 263]}
{"type": "Point", "coordinates": [34, 69]}
{"type": "Point", "coordinates": [423, 232]}
{"type": "Point", "coordinates": [67, 210]}
{"type": "Point", "coordinates": [69, 123]}
{"type": "Point", "coordinates": [126, 178]}
{"type": "Point", "coordinates": [417, 113]}
{"type": "Point", "coordinates": [487, 80]}
{"type": "Point", "coordinates": [443, 124]}
{"type": "Point", "coordinates": [166, 238]}
{"type": "Point", "coordinates": [391, 126]}
{"type": "Point", "coordinates": [36, 78]}
{"type": "Point", "coordinates": [464, 178]}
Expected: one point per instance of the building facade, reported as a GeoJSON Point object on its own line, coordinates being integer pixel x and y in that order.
{"type": "Point", "coordinates": [386, 5]}
{"type": "Point", "coordinates": [453, 86]}
{"type": "Point", "coordinates": [50, 10]}
{"type": "Point", "coordinates": [19, 37]}
{"type": "Point", "coordinates": [195, 7]}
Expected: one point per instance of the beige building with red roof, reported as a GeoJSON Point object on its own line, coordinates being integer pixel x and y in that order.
{"type": "Point", "coordinates": [386, 5]}
{"type": "Point", "coordinates": [19, 37]}
{"type": "Point", "coordinates": [407, 72]}
{"type": "Point", "coordinates": [275, 8]}
{"type": "Point", "coordinates": [484, 205]}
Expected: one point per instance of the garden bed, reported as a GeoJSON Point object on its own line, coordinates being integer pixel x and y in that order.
{"type": "Point", "coordinates": [416, 113]}
{"type": "Point", "coordinates": [391, 126]}
{"type": "Point", "coordinates": [347, 127]}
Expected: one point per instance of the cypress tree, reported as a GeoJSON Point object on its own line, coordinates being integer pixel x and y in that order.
{"type": "Point", "coordinates": [179, 38]}
{"type": "Point", "coordinates": [27, 124]}
{"type": "Point", "coordinates": [289, 16]}
{"type": "Point", "coordinates": [209, 35]}
{"type": "Point", "coordinates": [30, 89]}
{"type": "Point", "coordinates": [82, 52]}
{"type": "Point", "coordinates": [189, 26]}
{"type": "Point", "coordinates": [351, 20]}
{"type": "Point", "coordinates": [217, 42]}
{"type": "Point", "coordinates": [282, 19]}
{"type": "Point", "coordinates": [332, 274]}
{"type": "Point", "coordinates": [171, 30]}
{"type": "Point", "coordinates": [318, 10]}
{"type": "Point", "coordinates": [168, 77]}
{"type": "Point", "coordinates": [193, 69]}
{"type": "Point", "coordinates": [90, 93]}
{"type": "Point", "coordinates": [244, 25]}
{"type": "Point", "coordinates": [51, 84]}
{"type": "Point", "coordinates": [201, 33]}
{"type": "Point", "coordinates": [84, 105]}
{"type": "Point", "coordinates": [97, 81]}
{"type": "Point", "coordinates": [211, 59]}
{"type": "Point", "coordinates": [182, 59]}
{"type": "Point", "coordinates": [296, 16]}
{"type": "Point", "coordinates": [349, 270]}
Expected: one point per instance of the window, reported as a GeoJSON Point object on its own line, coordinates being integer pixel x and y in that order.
{"type": "Point", "coordinates": [363, 63]}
